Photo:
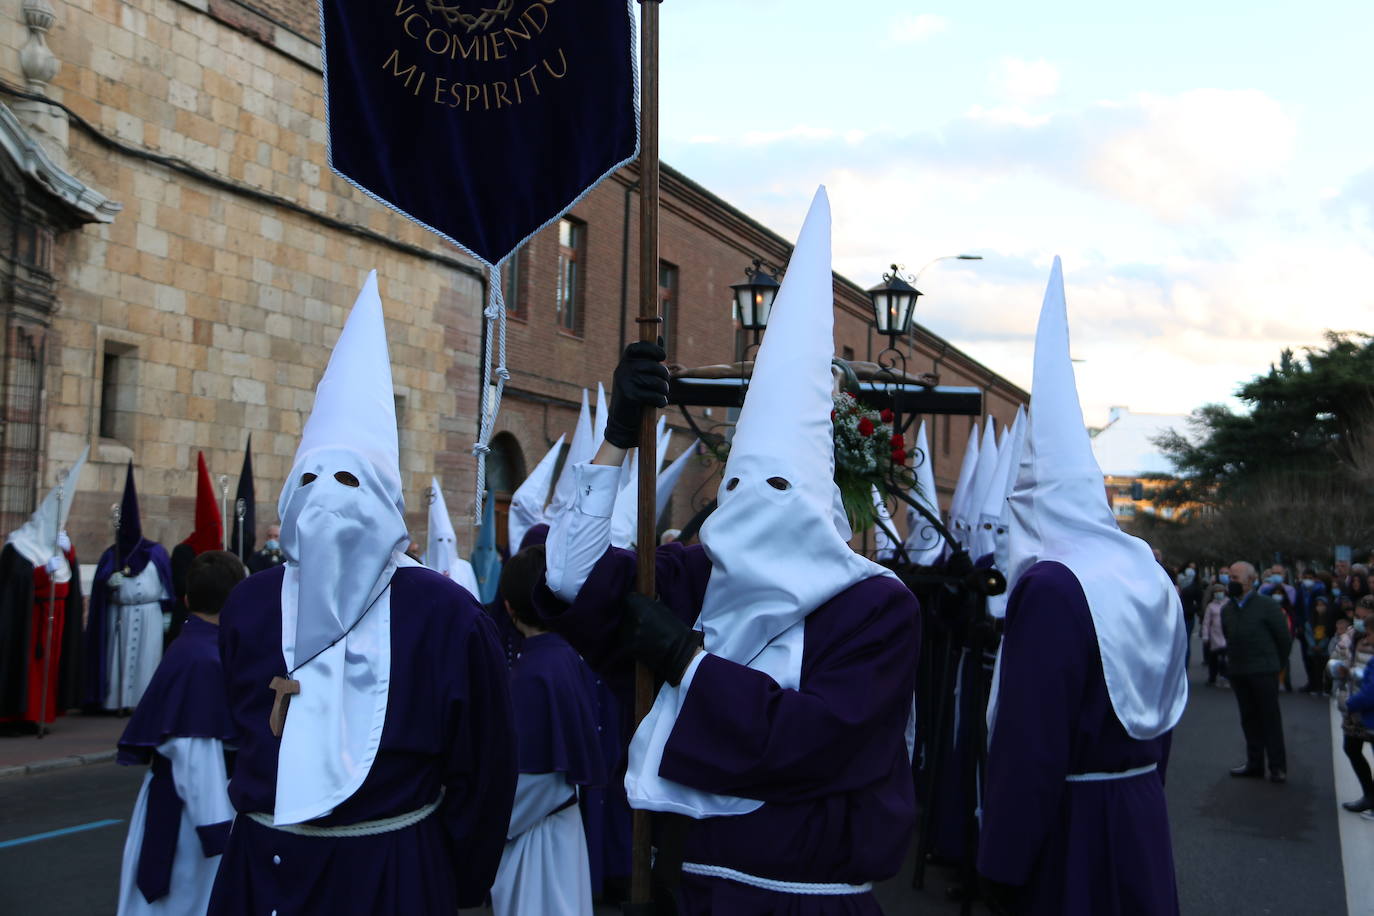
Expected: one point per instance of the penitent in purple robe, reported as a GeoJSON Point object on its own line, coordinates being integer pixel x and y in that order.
{"type": "Point", "coordinates": [172, 850]}
{"type": "Point", "coordinates": [554, 700]}
{"type": "Point", "coordinates": [448, 725]}
{"type": "Point", "coordinates": [1082, 848]}
{"type": "Point", "coordinates": [828, 760]}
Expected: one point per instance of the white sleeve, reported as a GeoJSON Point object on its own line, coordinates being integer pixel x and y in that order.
{"type": "Point", "coordinates": [536, 795]}
{"type": "Point", "coordinates": [200, 779]}
{"type": "Point", "coordinates": [580, 535]}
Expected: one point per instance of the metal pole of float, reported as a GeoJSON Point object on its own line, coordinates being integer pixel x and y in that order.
{"type": "Point", "coordinates": [649, 324]}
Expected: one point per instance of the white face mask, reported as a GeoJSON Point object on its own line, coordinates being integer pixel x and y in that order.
{"type": "Point", "coordinates": [342, 537]}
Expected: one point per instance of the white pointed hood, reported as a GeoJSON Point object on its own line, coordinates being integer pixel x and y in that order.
{"type": "Point", "coordinates": [343, 533]}
{"type": "Point", "coordinates": [664, 437]}
{"type": "Point", "coordinates": [995, 521]}
{"type": "Point", "coordinates": [36, 539]}
{"type": "Point", "coordinates": [625, 514]}
{"type": "Point", "coordinates": [1059, 512]}
{"type": "Point", "coordinates": [963, 491]}
{"type": "Point", "coordinates": [987, 515]}
{"type": "Point", "coordinates": [923, 543]}
{"type": "Point", "coordinates": [775, 549]}
{"type": "Point", "coordinates": [441, 546]}
{"type": "Point", "coordinates": [599, 419]}
{"type": "Point", "coordinates": [667, 480]}
{"type": "Point", "coordinates": [582, 448]}
{"type": "Point", "coordinates": [527, 502]}
{"type": "Point", "coordinates": [983, 473]}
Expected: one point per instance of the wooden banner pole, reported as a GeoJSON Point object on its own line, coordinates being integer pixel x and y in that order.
{"type": "Point", "coordinates": [649, 330]}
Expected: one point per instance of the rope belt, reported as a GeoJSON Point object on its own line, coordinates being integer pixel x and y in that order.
{"type": "Point", "coordinates": [1105, 777]}
{"type": "Point", "coordinates": [362, 828]}
{"type": "Point", "coordinates": [770, 884]}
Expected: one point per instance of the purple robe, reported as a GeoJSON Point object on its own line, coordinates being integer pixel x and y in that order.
{"type": "Point", "coordinates": [828, 760]}
{"type": "Point", "coordinates": [1079, 848]}
{"type": "Point", "coordinates": [98, 616]}
{"type": "Point", "coordinates": [448, 725]}
{"type": "Point", "coordinates": [185, 699]}
{"type": "Point", "coordinates": [554, 702]}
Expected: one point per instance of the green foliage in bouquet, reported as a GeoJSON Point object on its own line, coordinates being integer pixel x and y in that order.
{"type": "Point", "coordinates": [868, 453]}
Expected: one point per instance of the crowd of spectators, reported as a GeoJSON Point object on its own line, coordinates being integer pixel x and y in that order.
{"type": "Point", "coordinates": [1326, 613]}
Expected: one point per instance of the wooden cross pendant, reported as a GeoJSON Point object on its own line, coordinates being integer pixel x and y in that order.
{"type": "Point", "coordinates": [285, 688]}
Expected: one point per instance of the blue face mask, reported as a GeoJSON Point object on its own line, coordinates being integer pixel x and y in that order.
{"type": "Point", "coordinates": [1335, 593]}
{"type": "Point", "coordinates": [1276, 579]}
{"type": "Point", "coordinates": [1359, 627]}
{"type": "Point", "coordinates": [1308, 583]}
{"type": "Point", "coordinates": [272, 544]}
{"type": "Point", "coordinates": [1223, 578]}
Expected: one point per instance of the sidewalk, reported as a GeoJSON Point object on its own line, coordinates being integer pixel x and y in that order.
{"type": "Point", "coordinates": [73, 741]}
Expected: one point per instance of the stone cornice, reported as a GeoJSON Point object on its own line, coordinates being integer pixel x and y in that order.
{"type": "Point", "coordinates": [85, 204]}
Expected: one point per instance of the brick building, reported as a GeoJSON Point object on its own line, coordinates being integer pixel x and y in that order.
{"type": "Point", "coordinates": [177, 259]}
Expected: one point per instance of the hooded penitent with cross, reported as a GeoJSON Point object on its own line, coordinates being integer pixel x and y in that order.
{"type": "Point", "coordinates": [376, 763]}
{"type": "Point", "coordinates": [1090, 679]}
{"type": "Point", "coordinates": [775, 750]}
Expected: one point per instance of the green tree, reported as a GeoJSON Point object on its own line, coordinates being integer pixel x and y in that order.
{"type": "Point", "coordinates": [1295, 472]}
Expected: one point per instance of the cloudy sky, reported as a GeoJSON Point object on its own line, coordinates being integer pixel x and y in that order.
{"type": "Point", "coordinates": [1207, 177]}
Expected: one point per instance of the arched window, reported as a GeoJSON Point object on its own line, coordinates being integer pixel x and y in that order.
{"type": "Point", "coordinates": [505, 471]}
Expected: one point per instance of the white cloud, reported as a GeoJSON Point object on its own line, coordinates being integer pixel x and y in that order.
{"type": "Point", "coordinates": [1187, 270]}
{"type": "Point", "coordinates": [1206, 148]}
{"type": "Point", "coordinates": [912, 28]}
{"type": "Point", "coordinates": [1026, 80]}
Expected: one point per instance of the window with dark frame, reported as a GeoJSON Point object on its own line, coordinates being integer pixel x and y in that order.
{"type": "Point", "coordinates": [109, 397]}
{"type": "Point", "coordinates": [667, 307]}
{"type": "Point", "coordinates": [118, 392]}
{"type": "Point", "coordinates": [572, 240]}
{"type": "Point", "coordinates": [512, 273]}
{"type": "Point", "coordinates": [847, 353]}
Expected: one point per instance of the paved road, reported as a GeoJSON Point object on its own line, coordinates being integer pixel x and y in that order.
{"type": "Point", "coordinates": [1245, 845]}
{"type": "Point", "coordinates": [1241, 846]}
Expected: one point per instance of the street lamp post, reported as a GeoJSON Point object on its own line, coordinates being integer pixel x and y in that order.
{"type": "Point", "coordinates": [754, 297]}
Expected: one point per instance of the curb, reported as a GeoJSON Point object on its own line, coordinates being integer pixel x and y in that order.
{"type": "Point", "coordinates": [59, 763]}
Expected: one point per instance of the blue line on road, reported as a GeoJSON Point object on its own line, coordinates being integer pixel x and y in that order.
{"type": "Point", "coordinates": [33, 838]}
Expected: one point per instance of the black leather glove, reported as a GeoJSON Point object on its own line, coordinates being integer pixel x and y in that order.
{"type": "Point", "coordinates": [654, 635]}
{"type": "Point", "coordinates": [641, 380]}
{"type": "Point", "coordinates": [1002, 899]}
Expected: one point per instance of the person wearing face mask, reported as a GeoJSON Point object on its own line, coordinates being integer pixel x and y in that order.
{"type": "Point", "coordinates": [1257, 641]}
{"type": "Point", "coordinates": [1309, 591]}
{"type": "Point", "coordinates": [775, 756]}
{"type": "Point", "coordinates": [271, 554]}
{"type": "Point", "coordinates": [1213, 635]}
{"type": "Point", "coordinates": [376, 759]}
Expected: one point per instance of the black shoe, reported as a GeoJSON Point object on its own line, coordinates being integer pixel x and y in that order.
{"type": "Point", "coordinates": [1278, 776]}
{"type": "Point", "coordinates": [1359, 804]}
{"type": "Point", "coordinates": [1247, 772]}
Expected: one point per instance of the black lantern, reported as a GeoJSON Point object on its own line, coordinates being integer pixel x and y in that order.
{"type": "Point", "coordinates": [754, 297]}
{"type": "Point", "coordinates": [894, 301]}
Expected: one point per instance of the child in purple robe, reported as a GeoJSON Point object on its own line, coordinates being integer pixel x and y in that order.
{"type": "Point", "coordinates": [545, 866]}
{"type": "Point", "coordinates": [181, 729]}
